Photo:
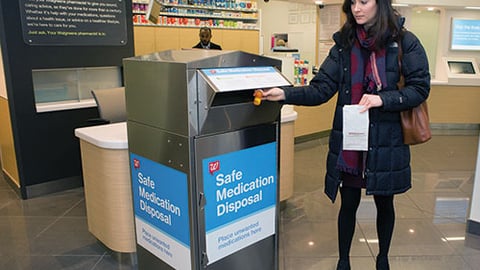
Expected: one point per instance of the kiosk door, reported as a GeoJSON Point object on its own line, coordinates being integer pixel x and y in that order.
{"type": "Point", "coordinates": [237, 176]}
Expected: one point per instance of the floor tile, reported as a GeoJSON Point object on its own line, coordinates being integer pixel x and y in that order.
{"type": "Point", "coordinates": [443, 207]}
{"type": "Point", "coordinates": [50, 232]}
{"type": "Point", "coordinates": [17, 234]}
{"type": "Point", "coordinates": [429, 262]}
{"type": "Point", "coordinates": [7, 196]}
{"type": "Point", "coordinates": [411, 237]}
{"type": "Point", "coordinates": [328, 263]}
{"type": "Point", "coordinates": [50, 205]}
{"type": "Point", "coordinates": [311, 205]}
{"type": "Point", "coordinates": [109, 263]}
{"type": "Point", "coordinates": [304, 238]}
{"type": "Point", "coordinates": [441, 181]}
{"type": "Point", "coordinates": [49, 262]}
{"type": "Point", "coordinates": [404, 208]}
{"type": "Point", "coordinates": [455, 235]}
{"type": "Point", "coordinates": [67, 236]}
{"type": "Point", "coordinates": [473, 261]}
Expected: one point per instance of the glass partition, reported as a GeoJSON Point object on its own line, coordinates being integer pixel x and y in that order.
{"type": "Point", "coordinates": [424, 22]}
{"type": "Point", "coordinates": [69, 88]}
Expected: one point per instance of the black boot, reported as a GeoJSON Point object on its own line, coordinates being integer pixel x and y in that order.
{"type": "Point", "coordinates": [382, 263]}
{"type": "Point", "coordinates": [343, 265]}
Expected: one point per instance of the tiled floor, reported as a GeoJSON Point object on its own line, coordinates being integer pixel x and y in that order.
{"type": "Point", "coordinates": [50, 232]}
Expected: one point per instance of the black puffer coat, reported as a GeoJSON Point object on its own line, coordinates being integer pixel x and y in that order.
{"type": "Point", "coordinates": [387, 169]}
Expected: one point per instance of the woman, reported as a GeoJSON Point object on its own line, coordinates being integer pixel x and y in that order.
{"type": "Point", "coordinates": [363, 67]}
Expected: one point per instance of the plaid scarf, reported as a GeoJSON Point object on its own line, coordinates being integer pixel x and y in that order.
{"type": "Point", "coordinates": [368, 76]}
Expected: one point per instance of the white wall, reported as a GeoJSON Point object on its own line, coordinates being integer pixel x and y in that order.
{"type": "Point", "coordinates": [443, 49]}
{"type": "Point", "coordinates": [434, 30]}
{"type": "Point", "coordinates": [425, 25]}
{"type": "Point", "coordinates": [298, 20]}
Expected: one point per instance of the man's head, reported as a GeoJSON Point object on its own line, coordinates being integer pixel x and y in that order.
{"type": "Point", "coordinates": [205, 35]}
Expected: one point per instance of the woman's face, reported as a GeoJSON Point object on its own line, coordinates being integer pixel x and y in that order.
{"type": "Point", "coordinates": [364, 11]}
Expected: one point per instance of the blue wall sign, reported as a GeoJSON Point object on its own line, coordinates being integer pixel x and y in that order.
{"type": "Point", "coordinates": [465, 34]}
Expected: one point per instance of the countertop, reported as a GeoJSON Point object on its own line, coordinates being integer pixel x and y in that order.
{"type": "Point", "coordinates": [114, 136]}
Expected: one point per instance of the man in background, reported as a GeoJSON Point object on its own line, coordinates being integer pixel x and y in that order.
{"type": "Point", "coordinates": [205, 35]}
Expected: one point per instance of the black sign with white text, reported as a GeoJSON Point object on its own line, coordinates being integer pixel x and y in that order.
{"type": "Point", "coordinates": [74, 22]}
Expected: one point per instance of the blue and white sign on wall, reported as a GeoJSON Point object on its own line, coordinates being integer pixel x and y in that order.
{"type": "Point", "coordinates": [465, 34]}
{"type": "Point", "coordinates": [160, 201]}
{"type": "Point", "coordinates": [240, 189]}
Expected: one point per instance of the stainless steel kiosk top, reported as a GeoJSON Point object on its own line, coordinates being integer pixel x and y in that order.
{"type": "Point", "coordinates": [210, 90]}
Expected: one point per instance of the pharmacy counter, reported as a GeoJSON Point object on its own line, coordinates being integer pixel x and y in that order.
{"type": "Point", "coordinates": [106, 179]}
{"type": "Point", "coordinates": [287, 141]}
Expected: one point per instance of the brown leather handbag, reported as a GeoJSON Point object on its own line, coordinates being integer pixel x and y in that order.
{"type": "Point", "coordinates": [415, 122]}
{"type": "Point", "coordinates": [416, 125]}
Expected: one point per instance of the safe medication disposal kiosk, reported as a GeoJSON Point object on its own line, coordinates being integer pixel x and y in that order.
{"type": "Point", "coordinates": [203, 159]}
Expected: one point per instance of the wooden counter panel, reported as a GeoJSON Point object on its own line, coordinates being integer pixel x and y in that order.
{"type": "Point", "coordinates": [166, 39]}
{"type": "Point", "coordinates": [446, 104]}
{"type": "Point", "coordinates": [149, 39]}
{"type": "Point", "coordinates": [454, 104]}
{"type": "Point", "coordinates": [108, 196]}
{"type": "Point", "coordinates": [314, 119]}
{"type": "Point", "coordinates": [286, 160]}
{"type": "Point", "coordinates": [7, 147]}
{"type": "Point", "coordinates": [144, 38]}
{"type": "Point", "coordinates": [244, 40]}
{"type": "Point", "coordinates": [188, 37]}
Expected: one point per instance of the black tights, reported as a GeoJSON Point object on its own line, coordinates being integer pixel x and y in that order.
{"type": "Point", "coordinates": [350, 198]}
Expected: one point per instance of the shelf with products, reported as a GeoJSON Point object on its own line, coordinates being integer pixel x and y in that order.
{"type": "Point", "coordinates": [210, 16]}
{"type": "Point", "coordinates": [218, 14]}
{"type": "Point", "coordinates": [301, 69]}
{"type": "Point", "coordinates": [141, 20]}
{"type": "Point", "coordinates": [140, 6]}
{"type": "Point", "coordinates": [235, 6]}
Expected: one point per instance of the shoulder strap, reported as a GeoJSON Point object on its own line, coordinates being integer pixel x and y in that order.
{"type": "Point", "coordinates": [401, 81]}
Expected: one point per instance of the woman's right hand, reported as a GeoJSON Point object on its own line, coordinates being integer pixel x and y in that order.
{"type": "Point", "coordinates": [273, 94]}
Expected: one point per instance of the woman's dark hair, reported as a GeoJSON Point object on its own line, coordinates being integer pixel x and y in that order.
{"type": "Point", "coordinates": [385, 28]}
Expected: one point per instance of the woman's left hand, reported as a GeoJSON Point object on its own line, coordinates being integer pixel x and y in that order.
{"type": "Point", "coordinates": [370, 101]}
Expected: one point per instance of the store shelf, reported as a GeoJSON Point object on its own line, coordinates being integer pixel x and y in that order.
{"type": "Point", "coordinates": [206, 16]}
{"type": "Point", "coordinates": [140, 6]}
{"type": "Point", "coordinates": [195, 26]}
{"type": "Point", "coordinates": [178, 14]}
{"type": "Point", "coordinates": [237, 9]}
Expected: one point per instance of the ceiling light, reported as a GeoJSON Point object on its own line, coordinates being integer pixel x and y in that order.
{"type": "Point", "coordinates": [372, 241]}
{"type": "Point", "coordinates": [458, 238]}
